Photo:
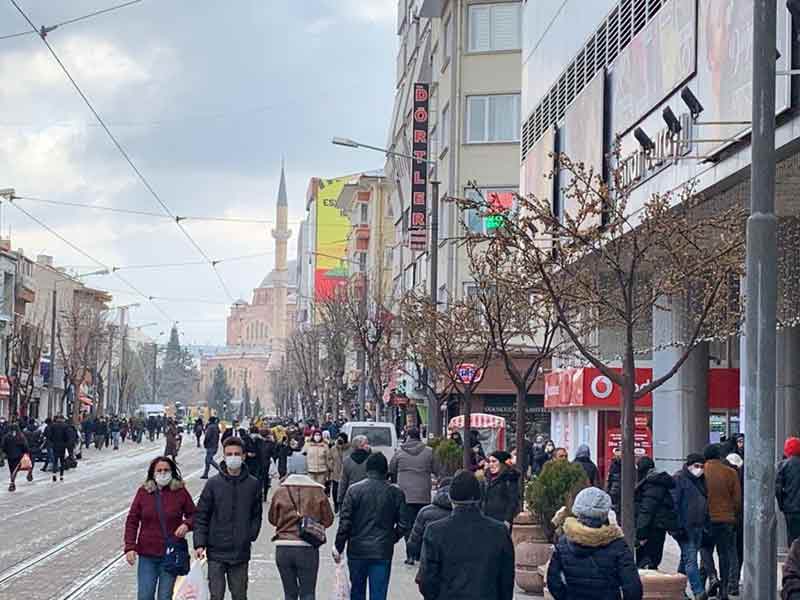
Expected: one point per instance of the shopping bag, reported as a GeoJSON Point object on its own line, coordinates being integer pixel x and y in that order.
{"type": "Point", "coordinates": [25, 463]}
{"type": "Point", "coordinates": [194, 586]}
{"type": "Point", "coordinates": [341, 587]}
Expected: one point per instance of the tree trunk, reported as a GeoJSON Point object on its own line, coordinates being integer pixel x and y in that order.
{"type": "Point", "coordinates": [76, 400]}
{"type": "Point", "coordinates": [628, 456]}
{"type": "Point", "coordinates": [521, 407]}
{"type": "Point", "coordinates": [467, 412]}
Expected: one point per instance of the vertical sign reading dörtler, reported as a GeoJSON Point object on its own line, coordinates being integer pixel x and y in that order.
{"type": "Point", "coordinates": [419, 168]}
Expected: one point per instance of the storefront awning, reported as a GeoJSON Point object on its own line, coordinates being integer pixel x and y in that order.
{"type": "Point", "coordinates": [478, 420]}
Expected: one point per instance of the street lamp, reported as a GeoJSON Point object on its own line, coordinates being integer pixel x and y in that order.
{"type": "Point", "coordinates": [434, 418]}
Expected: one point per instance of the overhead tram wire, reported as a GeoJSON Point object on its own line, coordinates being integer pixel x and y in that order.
{"type": "Point", "coordinates": [48, 28]}
{"type": "Point", "coordinates": [125, 155]}
{"type": "Point", "coordinates": [192, 263]}
{"type": "Point", "coordinates": [96, 261]}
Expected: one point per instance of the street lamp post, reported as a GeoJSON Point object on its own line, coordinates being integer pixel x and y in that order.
{"type": "Point", "coordinates": [434, 416]}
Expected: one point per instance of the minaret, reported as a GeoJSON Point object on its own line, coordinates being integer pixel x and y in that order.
{"type": "Point", "coordinates": [281, 233]}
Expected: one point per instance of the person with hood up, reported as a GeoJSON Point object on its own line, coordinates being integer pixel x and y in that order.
{"type": "Point", "coordinates": [787, 488]}
{"type": "Point", "coordinates": [254, 456]}
{"type": "Point", "coordinates": [467, 555]}
{"type": "Point", "coordinates": [591, 561]}
{"type": "Point", "coordinates": [655, 513]}
{"type": "Point", "coordinates": [318, 458]}
{"type": "Point", "coordinates": [614, 482]}
{"type": "Point", "coordinates": [542, 455]}
{"type": "Point", "coordinates": [297, 561]}
{"type": "Point", "coordinates": [338, 452]}
{"type": "Point", "coordinates": [162, 504]}
{"type": "Point", "coordinates": [354, 467]}
{"type": "Point", "coordinates": [691, 505]}
{"type": "Point", "coordinates": [411, 468]}
{"type": "Point", "coordinates": [583, 457]}
{"type": "Point", "coordinates": [371, 522]}
{"type": "Point", "coordinates": [439, 509]}
{"type": "Point", "coordinates": [227, 522]}
{"type": "Point", "coordinates": [500, 497]}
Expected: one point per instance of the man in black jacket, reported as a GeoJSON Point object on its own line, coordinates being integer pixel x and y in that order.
{"type": "Point", "coordinates": [227, 522]}
{"type": "Point", "coordinates": [372, 520]}
{"type": "Point", "coordinates": [58, 436]}
{"type": "Point", "coordinates": [787, 488]}
{"type": "Point", "coordinates": [437, 510]}
{"type": "Point", "coordinates": [211, 443]}
{"type": "Point", "coordinates": [466, 556]}
{"type": "Point", "coordinates": [354, 466]}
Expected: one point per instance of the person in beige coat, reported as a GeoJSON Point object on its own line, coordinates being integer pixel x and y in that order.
{"type": "Point", "coordinates": [339, 450]}
{"type": "Point", "coordinates": [318, 458]}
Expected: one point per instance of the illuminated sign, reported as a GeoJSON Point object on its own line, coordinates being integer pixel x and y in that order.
{"type": "Point", "coordinates": [640, 165]}
{"type": "Point", "coordinates": [419, 168]}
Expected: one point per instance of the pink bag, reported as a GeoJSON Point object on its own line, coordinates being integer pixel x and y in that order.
{"type": "Point", "coordinates": [341, 587]}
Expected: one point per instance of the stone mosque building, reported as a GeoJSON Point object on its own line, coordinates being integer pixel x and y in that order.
{"type": "Point", "coordinates": [256, 331]}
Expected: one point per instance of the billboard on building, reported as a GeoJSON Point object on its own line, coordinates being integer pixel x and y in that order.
{"type": "Point", "coordinates": [659, 59]}
{"type": "Point", "coordinates": [725, 67]}
{"type": "Point", "coordinates": [581, 139]}
{"type": "Point", "coordinates": [332, 229]}
{"type": "Point", "coordinates": [537, 169]}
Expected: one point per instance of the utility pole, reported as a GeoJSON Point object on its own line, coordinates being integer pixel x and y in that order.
{"type": "Point", "coordinates": [434, 412]}
{"type": "Point", "coordinates": [155, 367]}
{"type": "Point", "coordinates": [362, 354]}
{"type": "Point", "coordinates": [51, 401]}
{"type": "Point", "coordinates": [760, 559]}
{"type": "Point", "coordinates": [107, 402]}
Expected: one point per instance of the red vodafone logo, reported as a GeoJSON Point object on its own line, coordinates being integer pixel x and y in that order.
{"type": "Point", "coordinates": [602, 387]}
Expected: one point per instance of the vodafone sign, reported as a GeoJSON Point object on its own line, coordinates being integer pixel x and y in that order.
{"type": "Point", "coordinates": [589, 387]}
{"type": "Point", "coordinates": [601, 387]}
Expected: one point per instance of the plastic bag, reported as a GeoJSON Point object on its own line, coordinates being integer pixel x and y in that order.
{"type": "Point", "coordinates": [341, 587]}
{"type": "Point", "coordinates": [25, 463]}
{"type": "Point", "coordinates": [194, 586]}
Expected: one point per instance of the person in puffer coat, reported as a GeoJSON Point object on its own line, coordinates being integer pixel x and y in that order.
{"type": "Point", "coordinates": [591, 561]}
{"type": "Point", "coordinates": [440, 508]}
{"type": "Point", "coordinates": [500, 497]}
{"type": "Point", "coordinates": [655, 513]}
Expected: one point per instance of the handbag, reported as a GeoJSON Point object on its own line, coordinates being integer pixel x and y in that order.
{"type": "Point", "coordinates": [25, 463]}
{"type": "Point", "coordinates": [309, 529]}
{"type": "Point", "coordinates": [176, 551]}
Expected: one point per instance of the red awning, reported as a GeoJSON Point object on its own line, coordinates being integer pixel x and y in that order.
{"type": "Point", "coordinates": [85, 400]}
{"type": "Point", "coordinates": [478, 420]}
{"type": "Point", "coordinates": [5, 386]}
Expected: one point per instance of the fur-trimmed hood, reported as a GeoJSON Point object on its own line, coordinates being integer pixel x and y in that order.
{"type": "Point", "coordinates": [591, 537]}
{"type": "Point", "coordinates": [150, 486]}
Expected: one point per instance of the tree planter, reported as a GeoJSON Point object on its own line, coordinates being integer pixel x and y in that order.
{"type": "Point", "coordinates": [531, 551]}
{"type": "Point", "coordinates": [527, 528]}
{"type": "Point", "coordinates": [662, 586]}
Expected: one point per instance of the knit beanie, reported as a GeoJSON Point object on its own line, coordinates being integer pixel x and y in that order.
{"type": "Point", "coordinates": [694, 457]}
{"type": "Point", "coordinates": [734, 460]}
{"type": "Point", "coordinates": [377, 463]}
{"type": "Point", "coordinates": [465, 488]}
{"type": "Point", "coordinates": [501, 455]}
{"type": "Point", "coordinates": [791, 447]}
{"type": "Point", "coordinates": [712, 451]}
{"type": "Point", "coordinates": [591, 507]}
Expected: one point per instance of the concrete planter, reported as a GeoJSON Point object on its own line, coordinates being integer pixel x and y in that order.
{"type": "Point", "coordinates": [662, 586]}
{"type": "Point", "coordinates": [531, 550]}
{"type": "Point", "coordinates": [526, 529]}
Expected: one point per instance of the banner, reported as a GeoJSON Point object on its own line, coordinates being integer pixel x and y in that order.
{"type": "Point", "coordinates": [419, 168]}
{"type": "Point", "coordinates": [332, 229]}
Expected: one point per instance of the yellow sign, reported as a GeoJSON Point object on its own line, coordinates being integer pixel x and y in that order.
{"type": "Point", "coordinates": [332, 231]}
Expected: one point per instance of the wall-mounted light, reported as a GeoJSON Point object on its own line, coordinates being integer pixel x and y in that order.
{"type": "Point", "coordinates": [691, 102]}
{"type": "Point", "coordinates": [673, 124]}
{"type": "Point", "coordinates": [644, 140]}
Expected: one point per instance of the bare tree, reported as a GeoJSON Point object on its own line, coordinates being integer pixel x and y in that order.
{"type": "Point", "coordinates": [303, 362]}
{"type": "Point", "coordinates": [26, 346]}
{"type": "Point", "coordinates": [608, 265]}
{"type": "Point", "coordinates": [335, 338]}
{"type": "Point", "coordinates": [447, 340]}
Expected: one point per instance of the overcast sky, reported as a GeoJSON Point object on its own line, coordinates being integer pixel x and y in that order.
{"type": "Point", "coordinates": [206, 96]}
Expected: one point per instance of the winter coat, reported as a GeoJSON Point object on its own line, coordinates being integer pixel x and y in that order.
{"type": "Point", "coordinates": [228, 517]}
{"type": "Point", "coordinates": [466, 556]}
{"type": "Point", "coordinates": [787, 485]}
{"type": "Point", "coordinates": [372, 519]}
{"type": "Point", "coordinates": [593, 564]}
{"type": "Point", "coordinates": [268, 451]}
{"type": "Point", "coordinates": [310, 500]}
{"type": "Point", "coordinates": [655, 507]}
{"type": "Point", "coordinates": [318, 457]}
{"type": "Point", "coordinates": [354, 469]}
{"type": "Point", "coordinates": [338, 452]}
{"type": "Point", "coordinates": [592, 474]}
{"type": "Point", "coordinates": [143, 527]}
{"type": "Point", "coordinates": [614, 484]}
{"type": "Point", "coordinates": [171, 446]}
{"type": "Point", "coordinates": [724, 492]}
{"type": "Point", "coordinates": [500, 495]}
{"type": "Point", "coordinates": [58, 436]}
{"type": "Point", "coordinates": [114, 426]}
{"type": "Point", "coordinates": [411, 467]}
{"type": "Point", "coordinates": [439, 509]}
{"type": "Point", "coordinates": [198, 428]}
{"type": "Point", "coordinates": [242, 434]}
{"type": "Point", "coordinates": [691, 500]}
{"type": "Point", "coordinates": [211, 439]}
{"type": "Point", "coordinates": [540, 457]}
{"type": "Point", "coordinates": [101, 428]}
{"type": "Point", "coordinates": [282, 453]}
{"type": "Point", "coordinates": [791, 574]}
{"type": "Point", "coordinates": [14, 446]}
{"type": "Point", "coordinates": [254, 444]}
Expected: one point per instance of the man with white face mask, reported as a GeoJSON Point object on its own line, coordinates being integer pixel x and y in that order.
{"type": "Point", "coordinates": [691, 504]}
{"type": "Point", "coordinates": [227, 522]}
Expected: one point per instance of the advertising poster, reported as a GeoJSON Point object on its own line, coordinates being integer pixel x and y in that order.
{"type": "Point", "coordinates": [332, 231]}
{"type": "Point", "coordinates": [725, 67]}
{"type": "Point", "coordinates": [536, 172]}
{"type": "Point", "coordinates": [581, 140]}
{"type": "Point", "coordinates": [660, 58]}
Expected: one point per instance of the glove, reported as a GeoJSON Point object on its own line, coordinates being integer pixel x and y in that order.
{"type": "Point", "coordinates": [337, 558]}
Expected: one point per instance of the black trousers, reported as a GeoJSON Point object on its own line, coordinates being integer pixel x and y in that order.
{"type": "Point", "coordinates": [792, 527]}
{"type": "Point", "coordinates": [723, 539]}
{"type": "Point", "coordinates": [412, 510]}
{"type": "Point", "coordinates": [335, 495]}
{"type": "Point", "coordinates": [58, 460]}
{"type": "Point", "coordinates": [650, 553]}
{"type": "Point", "coordinates": [298, 567]}
{"type": "Point", "coordinates": [236, 576]}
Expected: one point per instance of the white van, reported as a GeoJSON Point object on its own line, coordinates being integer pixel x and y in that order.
{"type": "Point", "coordinates": [382, 436]}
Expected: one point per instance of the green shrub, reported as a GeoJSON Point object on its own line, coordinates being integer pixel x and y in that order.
{"type": "Point", "coordinates": [450, 456]}
{"type": "Point", "coordinates": [556, 486]}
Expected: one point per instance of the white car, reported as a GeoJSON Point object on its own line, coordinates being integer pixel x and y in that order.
{"type": "Point", "coordinates": [382, 436]}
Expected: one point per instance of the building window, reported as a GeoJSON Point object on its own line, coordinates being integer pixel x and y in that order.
{"type": "Point", "coordinates": [493, 118]}
{"type": "Point", "coordinates": [364, 213]}
{"type": "Point", "coordinates": [362, 262]}
{"type": "Point", "coordinates": [484, 224]}
{"type": "Point", "coordinates": [494, 27]}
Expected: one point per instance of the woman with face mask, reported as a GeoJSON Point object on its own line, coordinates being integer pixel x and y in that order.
{"type": "Point", "coordinates": [162, 492]}
{"type": "Point", "coordinates": [318, 458]}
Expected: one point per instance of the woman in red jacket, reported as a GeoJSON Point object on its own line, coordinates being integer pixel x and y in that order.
{"type": "Point", "coordinates": [143, 531]}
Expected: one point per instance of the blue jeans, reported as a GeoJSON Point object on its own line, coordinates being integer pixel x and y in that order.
{"type": "Point", "coordinates": [210, 461]}
{"type": "Point", "coordinates": [377, 572]}
{"type": "Point", "coordinates": [688, 562]}
{"type": "Point", "coordinates": [115, 439]}
{"type": "Point", "coordinates": [148, 575]}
